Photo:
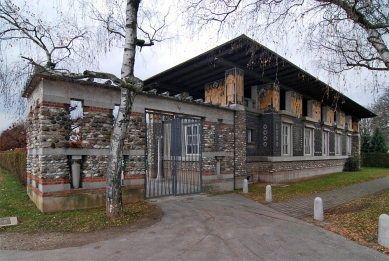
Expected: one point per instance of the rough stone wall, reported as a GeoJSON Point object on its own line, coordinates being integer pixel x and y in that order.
{"type": "Point", "coordinates": [53, 166]}
{"type": "Point", "coordinates": [134, 165]}
{"type": "Point", "coordinates": [271, 167]}
{"type": "Point", "coordinates": [209, 136]}
{"type": "Point", "coordinates": [218, 137]}
{"type": "Point", "coordinates": [32, 127]}
{"type": "Point", "coordinates": [96, 129]}
{"type": "Point", "coordinates": [48, 126]}
{"type": "Point", "coordinates": [94, 166]}
{"type": "Point", "coordinates": [240, 143]}
{"type": "Point", "coordinates": [136, 140]}
{"type": "Point", "coordinates": [54, 127]}
{"type": "Point", "coordinates": [356, 144]}
{"type": "Point", "coordinates": [136, 136]}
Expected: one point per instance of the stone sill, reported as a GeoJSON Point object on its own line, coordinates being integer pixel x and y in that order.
{"type": "Point", "coordinates": [299, 158]}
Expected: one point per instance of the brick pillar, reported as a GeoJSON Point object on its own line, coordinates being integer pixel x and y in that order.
{"type": "Point", "coordinates": [240, 146]}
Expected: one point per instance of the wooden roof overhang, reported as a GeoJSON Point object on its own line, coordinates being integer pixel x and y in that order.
{"type": "Point", "coordinates": [260, 66]}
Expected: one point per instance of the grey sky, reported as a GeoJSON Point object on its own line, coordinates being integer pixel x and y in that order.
{"type": "Point", "coordinates": [162, 56]}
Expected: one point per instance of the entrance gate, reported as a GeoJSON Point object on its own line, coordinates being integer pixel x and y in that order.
{"type": "Point", "coordinates": [173, 155]}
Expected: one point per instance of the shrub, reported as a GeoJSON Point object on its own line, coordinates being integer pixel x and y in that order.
{"type": "Point", "coordinates": [380, 160]}
{"type": "Point", "coordinates": [352, 164]}
{"type": "Point", "coordinates": [14, 162]}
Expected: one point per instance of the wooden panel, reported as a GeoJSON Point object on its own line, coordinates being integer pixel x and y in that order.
{"type": "Point", "coordinates": [239, 87]}
{"type": "Point", "coordinates": [342, 119]}
{"type": "Point", "coordinates": [297, 104]}
{"type": "Point", "coordinates": [316, 110]}
{"type": "Point", "coordinates": [234, 86]}
{"type": "Point", "coordinates": [230, 84]}
{"type": "Point", "coordinates": [215, 92]}
{"type": "Point", "coordinates": [268, 98]}
{"type": "Point", "coordinates": [355, 126]}
{"type": "Point", "coordinates": [330, 115]}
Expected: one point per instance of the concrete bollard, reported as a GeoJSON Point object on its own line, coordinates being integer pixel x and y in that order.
{"type": "Point", "coordinates": [383, 230]}
{"type": "Point", "coordinates": [269, 197]}
{"type": "Point", "coordinates": [245, 186]}
{"type": "Point", "coordinates": [318, 209]}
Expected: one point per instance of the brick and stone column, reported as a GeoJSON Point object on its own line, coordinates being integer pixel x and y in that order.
{"type": "Point", "coordinates": [240, 146]}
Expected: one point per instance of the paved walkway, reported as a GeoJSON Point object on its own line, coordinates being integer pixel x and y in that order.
{"type": "Point", "coordinates": [228, 227]}
{"type": "Point", "coordinates": [302, 207]}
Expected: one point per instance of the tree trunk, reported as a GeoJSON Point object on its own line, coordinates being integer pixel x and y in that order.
{"type": "Point", "coordinates": [375, 38]}
{"type": "Point", "coordinates": [114, 204]}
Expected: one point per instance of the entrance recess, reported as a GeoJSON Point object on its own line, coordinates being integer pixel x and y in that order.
{"type": "Point", "coordinates": [173, 155]}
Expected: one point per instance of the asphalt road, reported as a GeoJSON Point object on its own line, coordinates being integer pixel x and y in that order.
{"type": "Point", "coordinates": [228, 227]}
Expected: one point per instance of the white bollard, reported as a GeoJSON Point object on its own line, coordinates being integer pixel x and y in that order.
{"type": "Point", "coordinates": [318, 209]}
{"type": "Point", "coordinates": [383, 230]}
{"type": "Point", "coordinates": [269, 197]}
{"type": "Point", "coordinates": [245, 186]}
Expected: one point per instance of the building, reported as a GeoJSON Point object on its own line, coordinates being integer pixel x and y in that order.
{"type": "Point", "coordinates": [235, 112]}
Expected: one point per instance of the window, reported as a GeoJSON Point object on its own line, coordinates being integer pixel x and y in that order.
{"type": "Point", "coordinates": [325, 143]}
{"type": "Point", "coordinates": [250, 135]}
{"type": "Point", "coordinates": [349, 145]}
{"type": "Point", "coordinates": [308, 142]}
{"type": "Point", "coordinates": [75, 116]}
{"type": "Point", "coordinates": [192, 139]}
{"type": "Point", "coordinates": [338, 144]}
{"type": "Point", "coordinates": [285, 139]}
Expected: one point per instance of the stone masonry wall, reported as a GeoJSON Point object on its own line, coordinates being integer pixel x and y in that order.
{"type": "Point", "coordinates": [272, 167]}
{"type": "Point", "coordinates": [218, 137]}
{"type": "Point", "coordinates": [48, 126]}
{"type": "Point", "coordinates": [96, 129]}
{"type": "Point", "coordinates": [356, 144]}
{"type": "Point", "coordinates": [240, 143]}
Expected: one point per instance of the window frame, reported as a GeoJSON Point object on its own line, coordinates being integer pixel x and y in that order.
{"type": "Point", "coordinates": [287, 138]}
{"type": "Point", "coordinates": [250, 135]}
{"type": "Point", "coordinates": [193, 136]}
{"type": "Point", "coordinates": [338, 144]}
{"type": "Point", "coordinates": [349, 144]}
{"type": "Point", "coordinates": [324, 141]}
{"type": "Point", "coordinates": [310, 153]}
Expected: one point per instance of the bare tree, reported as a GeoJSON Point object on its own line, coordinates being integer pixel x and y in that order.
{"type": "Point", "coordinates": [129, 84]}
{"type": "Point", "coordinates": [26, 36]}
{"type": "Point", "coordinates": [345, 34]}
{"type": "Point", "coordinates": [56, 45]}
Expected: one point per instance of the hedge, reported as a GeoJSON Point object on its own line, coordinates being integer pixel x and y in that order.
{"type": "Point", "coordinates": [14, 162]}
{"type": "Point", "coordinates": [380, 160]}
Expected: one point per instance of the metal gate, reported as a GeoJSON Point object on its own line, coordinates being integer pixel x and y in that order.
{"type": "Point", "coordinates": [173, 155]}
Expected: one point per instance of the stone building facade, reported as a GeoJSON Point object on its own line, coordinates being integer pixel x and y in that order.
{"type": "Point", "coordinates": [245, 129]}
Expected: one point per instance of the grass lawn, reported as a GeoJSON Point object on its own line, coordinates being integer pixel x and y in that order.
{"type": "Point", "coordinates": [14, 202]}
{"type": "Point", "coordinates": [315, 185]}
{"type": "Point", "coordinates": [356, 220]}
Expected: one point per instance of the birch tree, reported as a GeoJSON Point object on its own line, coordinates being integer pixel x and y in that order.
{"type": "Point", "coordinates": [55, 48]}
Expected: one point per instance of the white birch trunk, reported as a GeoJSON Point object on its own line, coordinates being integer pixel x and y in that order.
{"type": "Point", "coordinates": [376, 41]}
{"type": "Point", "coordinates": [114, 205]}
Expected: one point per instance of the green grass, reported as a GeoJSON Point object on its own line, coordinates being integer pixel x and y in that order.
{"type": "Point", "coordinates": [15, 202]}
{"type": "Point", "coordinates": [315, 185]}
{"type": "Point", "coordinates": [358, 219]}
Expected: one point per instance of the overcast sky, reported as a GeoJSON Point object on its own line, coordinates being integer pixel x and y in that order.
{"type": "Point", "coordinates": [162, 56]}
